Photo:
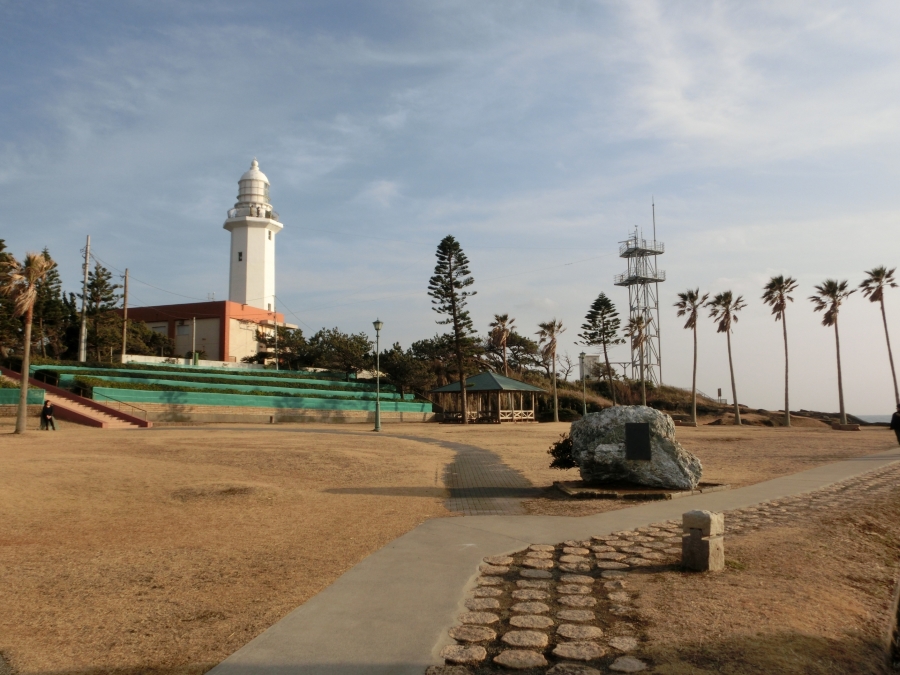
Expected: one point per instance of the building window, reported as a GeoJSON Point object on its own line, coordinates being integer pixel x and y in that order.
{"type": "Point", "coordinates": [270, 306]}
{"type": "Point", "coordinates": [182, 330]}
{"type": "Point", "coordinates": [240, 256]}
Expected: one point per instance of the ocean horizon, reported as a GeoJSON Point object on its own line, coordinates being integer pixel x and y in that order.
{"type": "Point", "coordinates": [885, 419]}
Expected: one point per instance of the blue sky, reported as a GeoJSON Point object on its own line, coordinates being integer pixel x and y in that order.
{"type": "Point", "coordinates": [534, 132]}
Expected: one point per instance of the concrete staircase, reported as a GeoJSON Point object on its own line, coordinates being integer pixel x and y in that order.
{"type": "Point", "coordinates": [74, 408]}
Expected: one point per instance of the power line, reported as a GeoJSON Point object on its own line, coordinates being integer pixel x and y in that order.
{"type": "Point", "coordinates": [133, 278]}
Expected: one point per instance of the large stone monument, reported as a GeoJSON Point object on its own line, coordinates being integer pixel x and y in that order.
{"type": "Point", "coordinates": [632, 444]}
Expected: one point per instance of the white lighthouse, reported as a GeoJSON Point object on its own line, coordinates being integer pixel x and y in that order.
{"type": "Point", "coordinates": [253, 226]}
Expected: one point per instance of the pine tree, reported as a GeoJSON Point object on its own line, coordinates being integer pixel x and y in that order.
{"type": "Point", "coordinates": [448, 295]}
{"type": "Point", "coordinates": [102, 300]}
{"type": "Point", "coordinates": [49, 311]}
{"type": "Point", "coordinates": [601, 327]}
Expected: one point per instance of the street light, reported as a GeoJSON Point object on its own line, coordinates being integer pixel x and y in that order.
{"type": "Point", "coordinates": [378, 324]}
{"type": "Point", "coordinates": [583, 385]}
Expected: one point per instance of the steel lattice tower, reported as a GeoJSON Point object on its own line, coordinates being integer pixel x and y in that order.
{"type": "Point", "coordinates": [643, 279]}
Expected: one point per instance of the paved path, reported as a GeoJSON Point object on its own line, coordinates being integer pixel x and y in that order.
{"type": "Point", "coordinates": [390, 614]}
{"type": "Point", "coordinates": [480, 483]}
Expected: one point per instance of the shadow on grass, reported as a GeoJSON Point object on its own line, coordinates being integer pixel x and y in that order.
{"type": "Point", "coordinates": [785, 653]}
{"type": "Point", "coordinates": [434, 492]}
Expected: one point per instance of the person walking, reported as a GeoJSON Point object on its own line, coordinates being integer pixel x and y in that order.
{"type": "Point", "coordinates": [47, 417]}
{"type": "Point", "coordinates": [895, 423]}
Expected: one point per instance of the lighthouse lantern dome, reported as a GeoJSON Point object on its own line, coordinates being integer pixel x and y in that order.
{"type": "Point", "coordinates": [253, 187]}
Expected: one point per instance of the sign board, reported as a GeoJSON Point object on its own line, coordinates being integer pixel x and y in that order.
{"type": "Point", "coordinates": [637, 441]}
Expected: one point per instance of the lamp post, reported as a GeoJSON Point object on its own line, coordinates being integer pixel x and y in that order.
{"type": "Point", "coordinates": [583, 385]}
{"type": "Point", "coordinates": [378, 324]}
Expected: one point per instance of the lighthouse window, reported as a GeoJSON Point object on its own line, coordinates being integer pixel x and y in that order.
{"type": "Point", "coordinates": [240, 256]}
{"type": "Point", "coordinates": [270, 235]}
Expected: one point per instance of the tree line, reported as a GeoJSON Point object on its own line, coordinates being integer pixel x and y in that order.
{"type": "Point", "coordinates": [56, 315]}
{"type": "Point", "coordinates": [828, 298]}
{"type": "Point", "coordinates": [37, 316]}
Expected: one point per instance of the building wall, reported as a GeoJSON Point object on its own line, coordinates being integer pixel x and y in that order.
{"type": "Point", "coordinates": [212, 317]}
{"type": "Point", "coordinates": [241, 339]}
{"type": "Point", "coordinates": [207, 336]}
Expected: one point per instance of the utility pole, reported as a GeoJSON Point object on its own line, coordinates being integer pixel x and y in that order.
{"type": "Point", "coordinates": [275, 316]}
{"type": "Point", "coordinates": [194, 341]}
{"type": "Point", "coordinates": [583, 385]}
{"type": "Point", "coordinates": [82, 333]}
{"type": "Point", "coordinates": [125, 318]}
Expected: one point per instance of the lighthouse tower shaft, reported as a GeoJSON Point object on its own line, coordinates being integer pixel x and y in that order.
{"type": "Point", "coordinates": [253, 226]}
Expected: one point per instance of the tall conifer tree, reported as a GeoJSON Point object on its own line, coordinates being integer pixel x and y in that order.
{"type": "Point", "coordinates": [448, 296]}
{"type": "Point", "coordinates": [102, 299]}
{"type": "Point", "coordinates": [601, 327]}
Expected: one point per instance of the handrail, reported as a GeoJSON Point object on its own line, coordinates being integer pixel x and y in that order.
{"type": "Point", "coordinates": [638, 244]}
{"type": "Point", "coordinates": [75, 398]}
{"type": "Point", "coordinates": [252, 213]}
{"type": "Point", "coordinates": [627, 279]}
{"type": "Point", "coordinates": [133, 407]}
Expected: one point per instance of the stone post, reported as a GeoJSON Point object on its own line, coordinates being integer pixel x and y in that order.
{"type": "Point", "coordinates": [703, 542]}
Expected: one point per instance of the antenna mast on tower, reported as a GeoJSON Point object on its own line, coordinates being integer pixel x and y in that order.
{"type": "Point", "coordinates": [642, 280]}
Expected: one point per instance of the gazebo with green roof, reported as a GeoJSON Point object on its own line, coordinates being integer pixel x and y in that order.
{"type": "Point", "coordinates": [486, 401]}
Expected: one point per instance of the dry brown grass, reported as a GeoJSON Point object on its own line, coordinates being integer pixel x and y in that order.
{"type": "Point", "coordinates": [808, 600]}
{"type": "Point", "coordinates": [166, 550]}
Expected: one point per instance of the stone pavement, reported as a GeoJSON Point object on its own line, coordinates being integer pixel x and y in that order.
{"type": "Point", "coordinates": [391, 613]}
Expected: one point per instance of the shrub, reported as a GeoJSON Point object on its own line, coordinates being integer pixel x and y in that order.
{"type": "Point", "coordinates": [561, 452]}
{"type": "Point", "coordinates": [565, 415]}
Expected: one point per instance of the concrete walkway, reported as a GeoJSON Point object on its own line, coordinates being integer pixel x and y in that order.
{"type": "Point", "coordinates": [480, 483]}
{"type": "Point", "coordinates": [390, 614]}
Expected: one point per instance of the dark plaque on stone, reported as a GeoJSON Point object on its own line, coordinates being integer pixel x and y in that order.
{"type": "Point", "coordinates": [637, 441]}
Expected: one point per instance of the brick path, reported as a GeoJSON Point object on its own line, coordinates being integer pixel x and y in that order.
{"type": "Point", "coordinates": [480, 484]}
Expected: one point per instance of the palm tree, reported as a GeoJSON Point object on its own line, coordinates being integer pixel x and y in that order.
{"type": "Point", "coordinates": [636, 329]}
{"type": "Point", "coordinates": [724, 308]}
{"type": "Point", "coordinates": [501, 327]}
{"type": "Point", "coordinates": [689, 304]}
{"type": "Point", "coordinates": [776, 295]}
{"type": "Point", "coordinates": [20, 282]}
{"type": "Point", "coordinates": [873, 288]}
{"type": "Point", "coordinates": [548, 334]}
{"type": "Point", "coordinates": [829, 296]}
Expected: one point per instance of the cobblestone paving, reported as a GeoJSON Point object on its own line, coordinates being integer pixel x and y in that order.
{"type": "Point", "coordinates": [568, 609]}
